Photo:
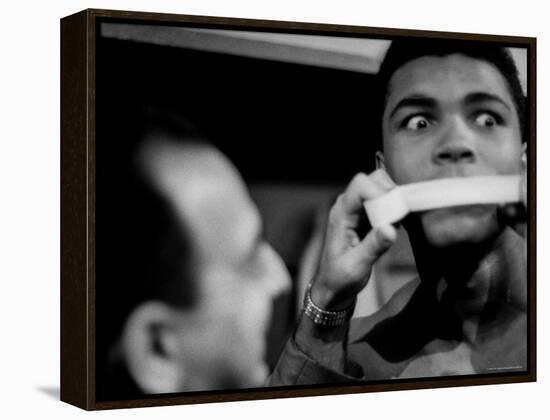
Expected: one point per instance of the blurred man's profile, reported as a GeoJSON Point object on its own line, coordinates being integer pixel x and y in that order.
{"type": "Point", "coordinates": [192, 281]}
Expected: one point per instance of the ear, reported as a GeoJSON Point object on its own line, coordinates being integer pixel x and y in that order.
{"type": "Point", "coordinates": [380, 160]}
{"type": "Point", "coordinates": [152, 348]}
{"type": "Point", "coordinates": [524, 155]}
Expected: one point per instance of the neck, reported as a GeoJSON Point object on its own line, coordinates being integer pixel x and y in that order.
{"type": "Point", "coordinates": [479, 285]}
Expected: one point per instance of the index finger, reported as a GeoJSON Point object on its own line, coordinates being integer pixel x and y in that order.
{"type": "Point", "coordinates": [365, 187]}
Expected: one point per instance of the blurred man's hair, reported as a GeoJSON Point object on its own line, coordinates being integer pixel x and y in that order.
{"type": "Point", "coordinates": [143, 250]}
{"type": "Point", "coordinates": [402, 51]}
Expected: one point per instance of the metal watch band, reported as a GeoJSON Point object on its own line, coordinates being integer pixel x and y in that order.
{"type": "Point", "coordinates": [323, 317]}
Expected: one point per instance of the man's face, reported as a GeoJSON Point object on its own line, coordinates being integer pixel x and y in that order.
{"type": "Point", "coordinates": [238, 274]}
{"type": "Point", "coordinates": [451, 116]}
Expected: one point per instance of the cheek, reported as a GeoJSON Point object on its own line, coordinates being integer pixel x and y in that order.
{"type": "Point", "coordinates": [406, 164]}
{"type": "Point", "coordinates": [406, 159]}
{"type": "Point", "coordinates": [503, 156]}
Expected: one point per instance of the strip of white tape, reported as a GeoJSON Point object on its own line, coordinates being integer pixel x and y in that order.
{"type": "Point", "coordinates": [404, 199]}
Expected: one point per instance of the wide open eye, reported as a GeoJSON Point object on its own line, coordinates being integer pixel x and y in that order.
{"type": "Point", "coordinates": [486, 119]}
{"type": "Point", "coordinates": [416, 122]}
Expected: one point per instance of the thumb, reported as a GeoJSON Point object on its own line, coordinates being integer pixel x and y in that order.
{"type": "Point", "coordinates": [375, 243]}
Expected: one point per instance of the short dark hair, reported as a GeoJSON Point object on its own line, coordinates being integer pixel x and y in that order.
{"type": "Point", "coordinates": [401, 51]}
{"type": "Point", "coordinates": [144, 250]}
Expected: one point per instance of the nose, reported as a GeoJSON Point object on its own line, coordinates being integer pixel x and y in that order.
{"type": "Point", "coordinates": [456, 144]}
{"type": "Point", "coordinates": [279, 278]}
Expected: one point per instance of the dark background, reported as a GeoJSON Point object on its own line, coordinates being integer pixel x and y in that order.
{"type": "Point", "coordinates": [275, 121]}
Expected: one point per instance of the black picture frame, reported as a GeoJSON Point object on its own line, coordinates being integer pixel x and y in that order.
{"type": "Point", "coordinates": [80, 37]}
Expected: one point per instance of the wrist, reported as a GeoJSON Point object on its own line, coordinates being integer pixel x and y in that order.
{"type": "Point", "coordinates": [328, 299]}
{"type": "Point", "coordinates": [326, 317]}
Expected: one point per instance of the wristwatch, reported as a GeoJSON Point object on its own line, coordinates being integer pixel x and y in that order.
{"type": "Point", "coordinates": [323, 317]}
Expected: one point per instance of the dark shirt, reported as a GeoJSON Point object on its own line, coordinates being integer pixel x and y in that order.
{"type": "Point", "coordinates": [414, 335]}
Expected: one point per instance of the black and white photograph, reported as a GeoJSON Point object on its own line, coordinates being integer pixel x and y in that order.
{"type": "Point", "coordinates": [282, 209]}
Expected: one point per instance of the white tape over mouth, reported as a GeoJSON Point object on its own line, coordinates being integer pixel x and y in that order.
{"type": "Point", "coordinates": [448, 192]}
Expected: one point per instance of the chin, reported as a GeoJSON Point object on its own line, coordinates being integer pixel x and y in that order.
{"type": "Point", "coordinates": [260, 374]}
{"type": "Point", "coordinates": [250, 376]}
{"type": "Point", "coordinates": [460, 225]}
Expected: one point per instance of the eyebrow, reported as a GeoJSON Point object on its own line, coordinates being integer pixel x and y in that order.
{"type": "Point", "coordinates": [477, 97]}
{"type": "Point", "coordinates": [414, 100]}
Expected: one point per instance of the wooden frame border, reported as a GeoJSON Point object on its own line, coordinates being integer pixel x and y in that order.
{"type": "Point", "coordinates": [78, 192]}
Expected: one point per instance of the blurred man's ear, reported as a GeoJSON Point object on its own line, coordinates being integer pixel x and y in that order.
{"type": "Point", "coordinates": [524, 154]}
{"type": "Point", "coordinates": [380, 161]}
{"type": "Point", "coordinates": [152, 348]}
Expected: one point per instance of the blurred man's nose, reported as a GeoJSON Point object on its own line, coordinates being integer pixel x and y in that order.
{"type": "Point", "coordinates": [456, 144]}
{"type": "Point", "coordinates": [278, 278]}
